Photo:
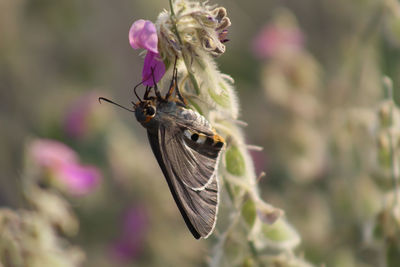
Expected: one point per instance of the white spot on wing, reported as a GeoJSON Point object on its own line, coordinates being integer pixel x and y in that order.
{"type": "Point", "coordinates": [202, 139]}
{"type": "Point", "coordinates": [188, 134]}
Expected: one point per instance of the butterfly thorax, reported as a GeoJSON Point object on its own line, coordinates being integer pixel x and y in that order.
{"type": "Point", "coordinates": [152, 113]}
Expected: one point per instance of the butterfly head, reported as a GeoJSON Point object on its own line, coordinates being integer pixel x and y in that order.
{"type": "Point", "coordinates": [145, 111]}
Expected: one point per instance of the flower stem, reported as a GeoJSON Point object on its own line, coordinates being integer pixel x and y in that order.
{"type": "Point", "coordinates": [254, 252]}
{"type": "Point", "coordinates": [187, 65]}
{"type": "Point", "coordinates": [252, 247]}
{"type": "Point", "coordinates": [172, 8]}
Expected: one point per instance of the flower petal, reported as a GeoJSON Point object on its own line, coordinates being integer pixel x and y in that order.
{"type": "Point", "coordinates": [152, 62]}
{"type": "Point", "coordinates": [143, 34]}
{"type": "Point", "coordinates": [51, 153]}
{"type": "Point", "coordinates": [78, 179]}
{"type": "Point", "coordinates": [275, 39]}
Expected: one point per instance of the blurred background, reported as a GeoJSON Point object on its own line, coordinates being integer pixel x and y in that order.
{"type": "Point", "coordinates": [309, 78]}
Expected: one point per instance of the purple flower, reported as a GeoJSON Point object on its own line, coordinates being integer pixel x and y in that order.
{"type": "Point", "coordinates": [63, 165]}
{"type": "Point", "coordinates": [130, 242]}
{"type": "Point", "coordinates": [76, 120]}
{"type": "Point", "coordinates": [143, 34]}
{"type": "Point", "coordinates": [277, 39]}
{"type": "Point", "coordinates": [79, 180]}
{"type": "Point", "coordinates": [152, 62]}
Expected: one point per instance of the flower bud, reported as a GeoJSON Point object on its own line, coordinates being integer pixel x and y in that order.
{"type": "Point", "coordinates": [385, 114]}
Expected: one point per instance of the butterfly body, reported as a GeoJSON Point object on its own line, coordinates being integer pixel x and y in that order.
{"type": "Point", "coordinates": [187, 150]}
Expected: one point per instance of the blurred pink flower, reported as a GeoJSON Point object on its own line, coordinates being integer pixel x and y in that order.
{"type": "Point", "coordinates": [143, 34]}
{"type": "Point", "coordinates": [52, 154]}
{"type": "Point", "coordinates": [79, 180]}
{"type": "Point", "coordinates": [276, 39]}
{"type": "Point", "coordinates": [259, 160]}
{"type": "Point", "coordinates": [62, 162]}
{"type": "Point", "coordinates": [76, 120]}
{"type": "Point", "coordinates": [130, 242]}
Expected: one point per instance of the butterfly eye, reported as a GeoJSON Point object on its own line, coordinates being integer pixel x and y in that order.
{"type": "Point", "coordinates": [150, 111]}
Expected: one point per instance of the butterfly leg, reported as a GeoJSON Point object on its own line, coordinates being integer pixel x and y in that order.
{"type": "Point", "coordinates": [156, 90]}
{"type": "Point", "coordinates": [183, 100]}
{"type": "Point", "coordinates": [173, 81]}
{"type": "Point", "coordinates": [172, 87]}
{"type": "Point", "coordinates": [146, 94]}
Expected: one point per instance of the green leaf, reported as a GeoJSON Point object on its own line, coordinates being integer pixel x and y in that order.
{"type": "Point", "coordinates": [249, 212]}
{"type": "Point", "coordinates": [248, 262]}
{"type": "Point", "coordinates": [221, 98]}
{"type": "Point", "coordinates": [393, 253]}
{"type": "Point", "coordinates": [278, 232]}
{"type": "Point", "coordinates": [235, 161]}
{"type": "Point", "coordinates": [384, 157]}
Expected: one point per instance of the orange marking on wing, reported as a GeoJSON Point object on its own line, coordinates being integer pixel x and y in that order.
{"type": "Point", "coordinates": [217, 138]}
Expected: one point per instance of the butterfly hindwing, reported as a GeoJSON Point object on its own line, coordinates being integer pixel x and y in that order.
{"type": "Point", "coordinates": [189, 168]}
{"type": "Point", "coordinates": [155, 146]}
{"type": "Point", "coordinates": [192, 149]}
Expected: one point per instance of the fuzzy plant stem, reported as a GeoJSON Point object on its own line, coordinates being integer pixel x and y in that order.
{"type": "Point", "coordinates": [394, 167]}
{"type": "Point", "coordinates": [252, 247]}
{"type": "Point", "coordinates": [195, 32]}
{"type": "Point", "coordinates": [196, 86]}
{"type": "Point", "coordinates": [191, 76]}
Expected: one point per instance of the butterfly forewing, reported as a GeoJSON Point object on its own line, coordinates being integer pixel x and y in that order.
{"type": "Point", "coordinates": [188, 154]}
{"type": "Point", "coordinates": [195, 167]}
{"type": "Point", "coordinates": [198, 207]}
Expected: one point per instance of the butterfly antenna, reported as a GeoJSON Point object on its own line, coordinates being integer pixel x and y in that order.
{"type": "Point", "coordinates": [134, 90]}
{"type": "Point", "coordinates": [112, 102]}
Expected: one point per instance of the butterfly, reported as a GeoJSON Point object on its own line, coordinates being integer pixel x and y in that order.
{"type": "Point", "coordinates": [187, 149]}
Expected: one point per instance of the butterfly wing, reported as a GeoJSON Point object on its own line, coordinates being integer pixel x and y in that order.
{"type": "Point", "coordinates": [192, 139]}
{"type": "Point", "coordinates": [190, 170]}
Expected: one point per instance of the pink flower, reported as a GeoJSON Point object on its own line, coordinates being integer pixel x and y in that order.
{"type": "Point", "coordinates": [79, 180]}
{"type": "Point", "coordinates": [52, 154]}
{"type": "Point", "coordinates": [152, 62]}
{"type": "Point", "coordinates": [143, 34]}
{"type": "Point", "coordinates": [62, 162]}
{"type": "Point", "coordinates": [277, 39]}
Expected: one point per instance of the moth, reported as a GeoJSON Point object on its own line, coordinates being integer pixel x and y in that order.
{"type": "Point", "coordinates": [187, 149]}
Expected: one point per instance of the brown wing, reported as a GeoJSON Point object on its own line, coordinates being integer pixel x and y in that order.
{"type": "Point", "coordinates": [189, 169]}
